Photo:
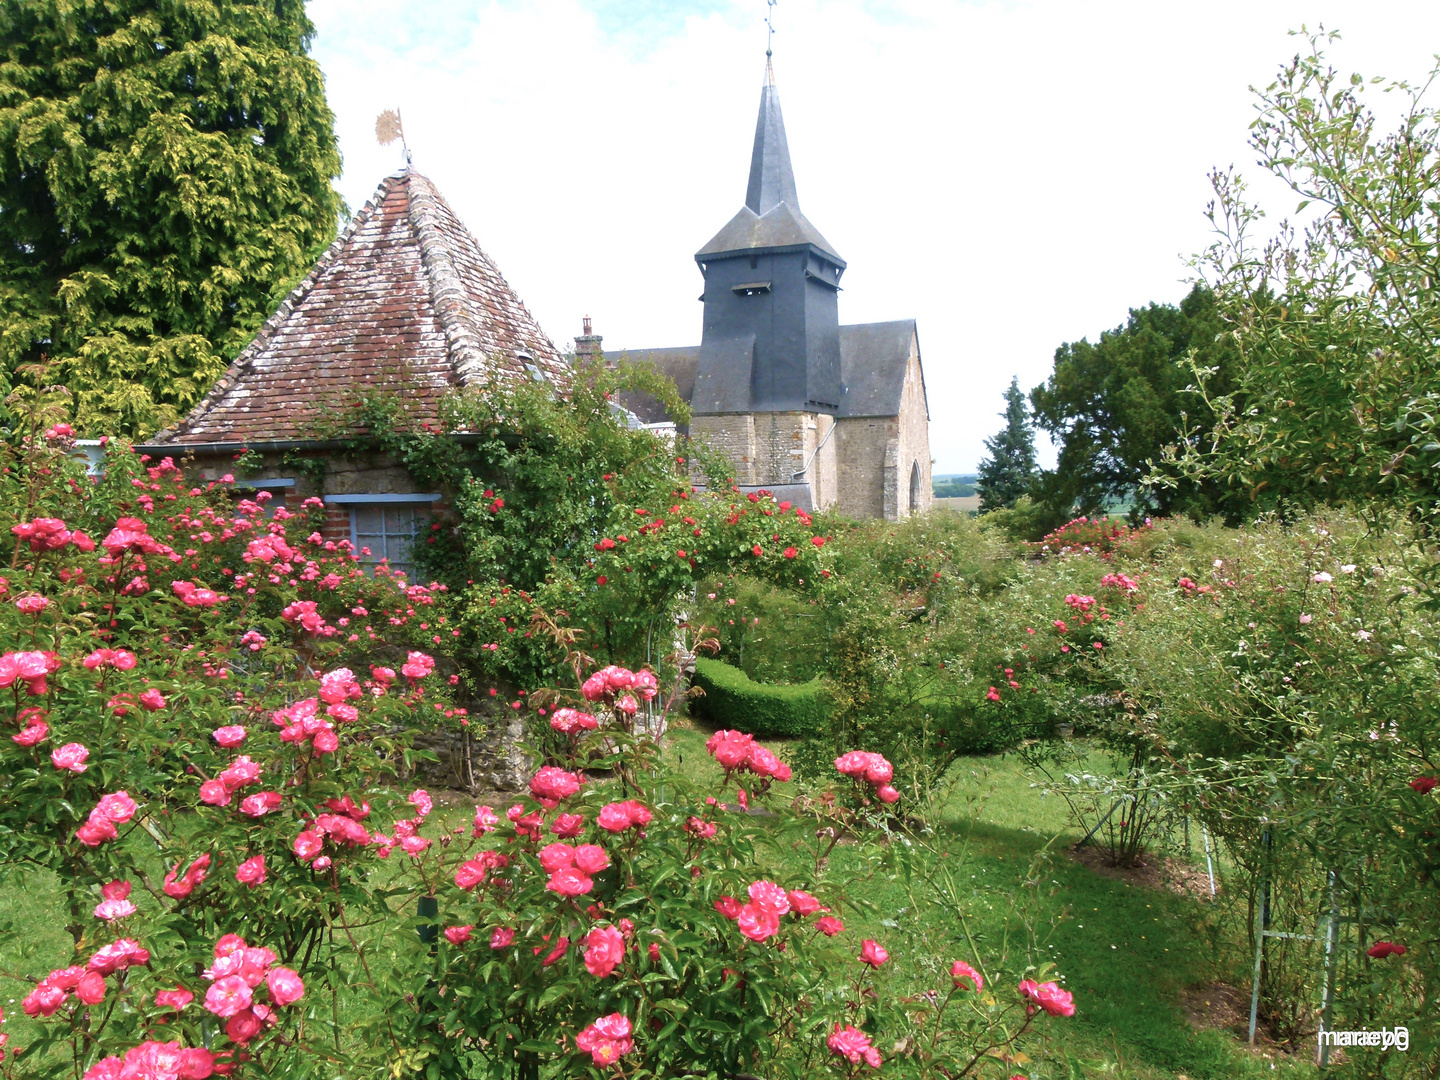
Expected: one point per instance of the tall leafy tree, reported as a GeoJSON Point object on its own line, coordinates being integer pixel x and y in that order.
{"type": "Point", "coordinates": [1116, 406]}
{"type": "Point", "coordinates": [1009, 470]}
{"type": "Point", "coordinates": [165, 175]}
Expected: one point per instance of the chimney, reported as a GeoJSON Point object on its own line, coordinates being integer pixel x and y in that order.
{"type": "Point", "coordinates": [587, 345]}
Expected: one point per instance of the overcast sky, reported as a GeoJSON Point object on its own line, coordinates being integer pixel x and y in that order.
{"type": "Point", "coordinates": [1012, 175]}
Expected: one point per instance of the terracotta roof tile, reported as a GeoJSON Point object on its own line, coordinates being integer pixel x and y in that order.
{"type": "Point", "coordinates": [403, 296]}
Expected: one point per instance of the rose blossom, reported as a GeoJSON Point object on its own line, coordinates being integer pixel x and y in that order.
{"type": "Point", "coordinates": [118, 807]}
{"type": "Point", "coordinates": [853, 1045]}
{"type": "Point", "coordinates": [228, 996]}
{"type": "Point", "coordinates": [604, 949]}
{"type": "Point", "coordinates": [70, 757]}
{"type": "Point", "coordinates": [771, 897]}
{"type": "Point", "coordinates": [567, 826]}
{"type": "Point", "coordinates": [175, 999]}
{"type": "Point", "coordinates": [829, 925]}
{"type": "Point", "coordinates": [959, 971]}
{"type": "Point", "coordinates": [728, 906]}
{"type": "Point", "coordinates": [873, 953]}
{"type": "Point", "coordinates": [285, 986]}
{"type": "Point", "coordinates": [591, 858]}
{"type": "Point", "coordinates": [501, 937]}
{"type": "Point", "coordinates": [252, 871]}
{"type": "Point", "coordinates": [758, 923]}
{"type": "Point", "coordinates": [802, 903]}
{"type": "Point", "coordinates": [606, 1040]}
{"type": "Point", "coordinates": [233, 735]}
{"type": "Point", "coordinates": [1048, 996]}
{"type": "Point", "coordinates": [260, 804]}
{"type": "Point", "coordinates": [555, 857]}
{"type": "Point", "coordinates": [570, 882]}
{"type": "Point", "coordinates": [552, 784]}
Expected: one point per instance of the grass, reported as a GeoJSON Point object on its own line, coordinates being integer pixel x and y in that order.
{"type": "Point", "coordinates": [1126, 952]}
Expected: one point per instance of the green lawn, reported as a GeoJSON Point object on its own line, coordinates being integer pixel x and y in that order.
{"type": "Point", "coordinates": [1126, 952]}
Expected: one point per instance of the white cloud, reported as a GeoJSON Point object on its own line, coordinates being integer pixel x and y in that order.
{"type": "Point", "coordinates": [1012, 175]}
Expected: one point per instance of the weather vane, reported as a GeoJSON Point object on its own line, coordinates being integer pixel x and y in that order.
{"type": "Point", "coordinates": [388, 128]}
{"type": "Point", "coordinates": [769, 25]}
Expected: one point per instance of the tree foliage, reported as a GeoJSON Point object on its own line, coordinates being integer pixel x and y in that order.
{"type": "Point", "coordinates": [1008, 471]}
{"type": "Point", "coordinates": [1115, 405]}
{"type": "Point", "coordinates": [164, 177]}
{"type": "Point", "coordinates": [1335, 321]}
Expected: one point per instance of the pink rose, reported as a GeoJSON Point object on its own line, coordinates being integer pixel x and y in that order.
{"type": "Point", "coordinates": [960, 971]}
{"type": "Point", "coordinates": [1048, 996]}
{"type": "Point", "coordinates": [285, 986]}
{"type": "Point", "coordinates": [111, 910]}
{"type": "Point", "coordinates": [152, 701]}
{"type": "Point", "coordinates": [873, 953]}
{"type": "Point", "coordinates": [36, 730]}
{"type": "Point", "coordinates": [606, 1040]}
{"type": "Point", "coordinates": [570, 882]}
{"type": "Point", "coordinates": [307, 845]}
{"type": "Point", "coordinates": [758, 923]}
{"type": "Point", "coordinates": [260, 804]}
{"type": "Point", "coordinates": [215, 793]}
{"type": "Point", "coordinates": [118, 807]}
{"type": "Point", "coordinates": [887, 794]}
{"type": "Point", "coordinates": [501, 937]}
{"type": "Point", "coordinates": [594, 687]}
{"type": "Point", "coordinates": [567, 826]}
{"type": "Point", "coordinates": [228, 996]}
{"type": "Point", "coordinates": [469, 874]}
{"type": "Point", "coordinates": [233, 735]}
{"type": "Point", "coordinates": [591, 858]}
{"type": "Point", "coordinates": [853, 1045]}
{"type": "Point", "coordinates": [770, 897]}
{"type": "Point", "coordinates": [802, 903]}
{"type": "Point", "coordinates": [829, 925]}
{"type": "Point", "coordinates": [728, 906]}
{"type": "Point", "coordinates": [485, 821]}
{"type": "Point", "coordinates": [458, 935]}
{"type": "Point", "coordinates": [614, 817]}
{"type": "Point", "coordinates": [551, 784]}
{"type": "Point", "coordinates": [604, 950]}
{"type": "Point", "coordinates": [251, 872]}
{"type": "Point", "coordinates": [175, 999]}
{"type": "Point", "coordinates": [729, 748]}
{"type": "Point", "coordinates": [420, 799]}
{"type": "Point", "coordinates": [91, 988]}
{"type": "Point", "coordinates": [555, 857]}
{"type": "Point", "coordinates": [70, 757]}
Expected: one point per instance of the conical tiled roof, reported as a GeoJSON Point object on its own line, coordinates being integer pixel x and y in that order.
{"type": "Point", "coordinates": [403, 298]}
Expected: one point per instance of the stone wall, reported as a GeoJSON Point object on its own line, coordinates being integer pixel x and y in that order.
{"type": "Point", "coordinates": [861, 442]}
{"type": "Point", "coordinates": [770, 448]}
{"type": "Point", "coordinates": [913, 441]}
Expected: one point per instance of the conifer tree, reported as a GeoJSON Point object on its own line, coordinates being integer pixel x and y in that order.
{"type": "Point", "coordinates": [165, 176]}
{"type": "Point", "coordinates": [1006, 473]}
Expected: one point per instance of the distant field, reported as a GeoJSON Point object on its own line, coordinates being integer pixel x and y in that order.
{"type": "Point", "coordinates": [967, 505]}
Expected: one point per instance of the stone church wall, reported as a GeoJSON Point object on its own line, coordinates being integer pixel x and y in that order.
{"type": "Point", "coordinates": [769, 448]}
{"type": "Point", "coordinates": [913, 442]}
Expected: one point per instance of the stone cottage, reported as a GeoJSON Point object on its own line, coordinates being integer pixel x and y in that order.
{"type": "Point", "coordinates": [822, 414]}
{"type": "Point", "coordinates": [404, 300]}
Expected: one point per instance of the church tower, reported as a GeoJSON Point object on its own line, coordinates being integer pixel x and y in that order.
{"type": "Point", "coordinates": [768, 379]}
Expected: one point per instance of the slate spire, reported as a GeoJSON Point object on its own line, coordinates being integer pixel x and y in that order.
{"type": "Point", "coordinates": [772, 180]}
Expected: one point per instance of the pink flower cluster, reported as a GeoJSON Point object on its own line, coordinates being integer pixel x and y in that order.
{"type": "Point", "coordinates": [551, 785]}
{"type": "Point", "coordinates": [734, 750]}
{"type": "Point", "coordinates": [759, 920]}
{"type": "Point", "coordinates": [873, 769]}
{"type": "Point", "coordinates": [116, 903]}
{"type": "Point", "coordinates": [572, 721]}
{"type": "Point", "coordinates": [472, 872]}
{"type": "Point", "coordinates": [616, 817]}
{"type": "Point", "coordinates": [236, 975]}
{"type": "Point", "coordinates": [571, 868]}
{"type": "Point", "coordinates": [242, 772]}
{"type": "Point", "coordinates": [86, 983]}
{"type": "Point", "coordinates": [302, 721]}
{"type": "Point", "coordinates": [619, 686]}
{"type": "Point", "coordinates": [853, 1045]}
{"type": "Point", "coordinates": [114, 809]}
{"type": "Point", "coordinates": [196, 597]}
{"type": "Point", "coordinates": [50, 534]}
{"type": "Point", "coordinates": [179, 885]}
{"type": "Point", "coordinates": [28, 667]}
{"type": "Point", "coordinates": [304, 612]}
{"type": "Point", "coordinates": [606, 1040]}
{"type": "Point", "coordinates": [120, 659]}
{"type": "Point", "coordinates": [417, 665]}
{"type": "Point", "coordinates": [156, 1061]}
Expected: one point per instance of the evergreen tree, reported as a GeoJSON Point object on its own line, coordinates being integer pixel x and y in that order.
{"type": "Point", "coordinates": [1007, 473]}
{"type": "Point", "coordinates": [165, 177]}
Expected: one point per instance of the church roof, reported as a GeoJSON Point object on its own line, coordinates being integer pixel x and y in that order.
{"type": "Point", "coordinates": [873, 361]}
{"type": "Point", "coordinates": [771, 216]}
{"type": "Point", "coordinates": [403, 298]}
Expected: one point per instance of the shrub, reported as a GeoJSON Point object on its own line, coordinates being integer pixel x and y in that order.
{"type": "Point", "coordinates": [733, 700]}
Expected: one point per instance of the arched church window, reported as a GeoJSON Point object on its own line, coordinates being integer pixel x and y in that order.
{"type": "Point", "coordinates": [914, 487]}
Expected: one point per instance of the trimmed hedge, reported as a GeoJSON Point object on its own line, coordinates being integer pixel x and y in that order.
{"type": "Point", "coordinates": [733, 700]}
